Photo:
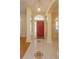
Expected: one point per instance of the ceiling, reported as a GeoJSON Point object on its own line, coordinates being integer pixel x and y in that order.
{"type": "Point", "coordinates": [34, 4]}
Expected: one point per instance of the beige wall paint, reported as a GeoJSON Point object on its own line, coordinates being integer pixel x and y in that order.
{"type": "Point", "coordinates": [54, 15]}
{"type": "Point", "coordinates": [23, 25]}
{"type": "Point", "coordinates": [54, 33]}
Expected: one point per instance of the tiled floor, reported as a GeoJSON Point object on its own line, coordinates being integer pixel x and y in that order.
{"type": "Point", "coordinates": [49, 50]}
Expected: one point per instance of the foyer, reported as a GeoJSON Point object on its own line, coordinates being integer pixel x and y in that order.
{"type": "Point", "coordinates": [39, 29]}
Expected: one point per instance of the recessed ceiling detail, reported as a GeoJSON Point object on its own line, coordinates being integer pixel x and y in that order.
{"type": "Point", "coordinates": [34, 4]}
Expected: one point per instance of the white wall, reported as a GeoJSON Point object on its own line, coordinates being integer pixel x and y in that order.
{"type": "Point", "coordinates": [28, 17]}
{"type": "Point", "coordinates": [49, 31]}
{"type": "Point", "coordinates": [23, 25]}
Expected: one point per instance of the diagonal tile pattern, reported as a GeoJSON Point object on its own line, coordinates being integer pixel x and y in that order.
{"type": "Point", "coordinates": [49, 50]}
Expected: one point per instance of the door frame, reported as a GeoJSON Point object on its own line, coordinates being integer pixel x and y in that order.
{"type": "Point", "coordinates": [35, 36]}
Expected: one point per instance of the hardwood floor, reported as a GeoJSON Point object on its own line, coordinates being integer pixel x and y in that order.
{"type": "Point", "coordinates": [23, 46]}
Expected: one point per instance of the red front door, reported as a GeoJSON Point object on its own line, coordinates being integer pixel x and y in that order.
{"type": "Point", "coordinates": [40, 29]}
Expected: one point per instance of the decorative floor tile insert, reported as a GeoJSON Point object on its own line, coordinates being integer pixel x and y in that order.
{"type": "Point", "coordinates": [38, 55]}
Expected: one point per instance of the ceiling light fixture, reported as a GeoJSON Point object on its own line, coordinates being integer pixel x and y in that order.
{"type": "Point", "coordinates": [39, 9]}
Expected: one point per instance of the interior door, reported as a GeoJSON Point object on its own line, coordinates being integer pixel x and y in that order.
{"type": "Point", "coordinates": [40, 29]}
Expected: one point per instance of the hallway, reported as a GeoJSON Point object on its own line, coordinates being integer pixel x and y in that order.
{"type": "Point", "coordinates": [48, 50]}
{"type": "Point", "coordinates": [39, 24]}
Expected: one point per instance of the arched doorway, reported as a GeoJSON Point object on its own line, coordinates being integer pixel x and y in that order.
{"type": "Point", "coordinates": [39, 27]}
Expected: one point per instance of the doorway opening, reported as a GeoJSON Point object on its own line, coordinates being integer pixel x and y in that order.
{"type": "Point", "coordinates": [39, 27]}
